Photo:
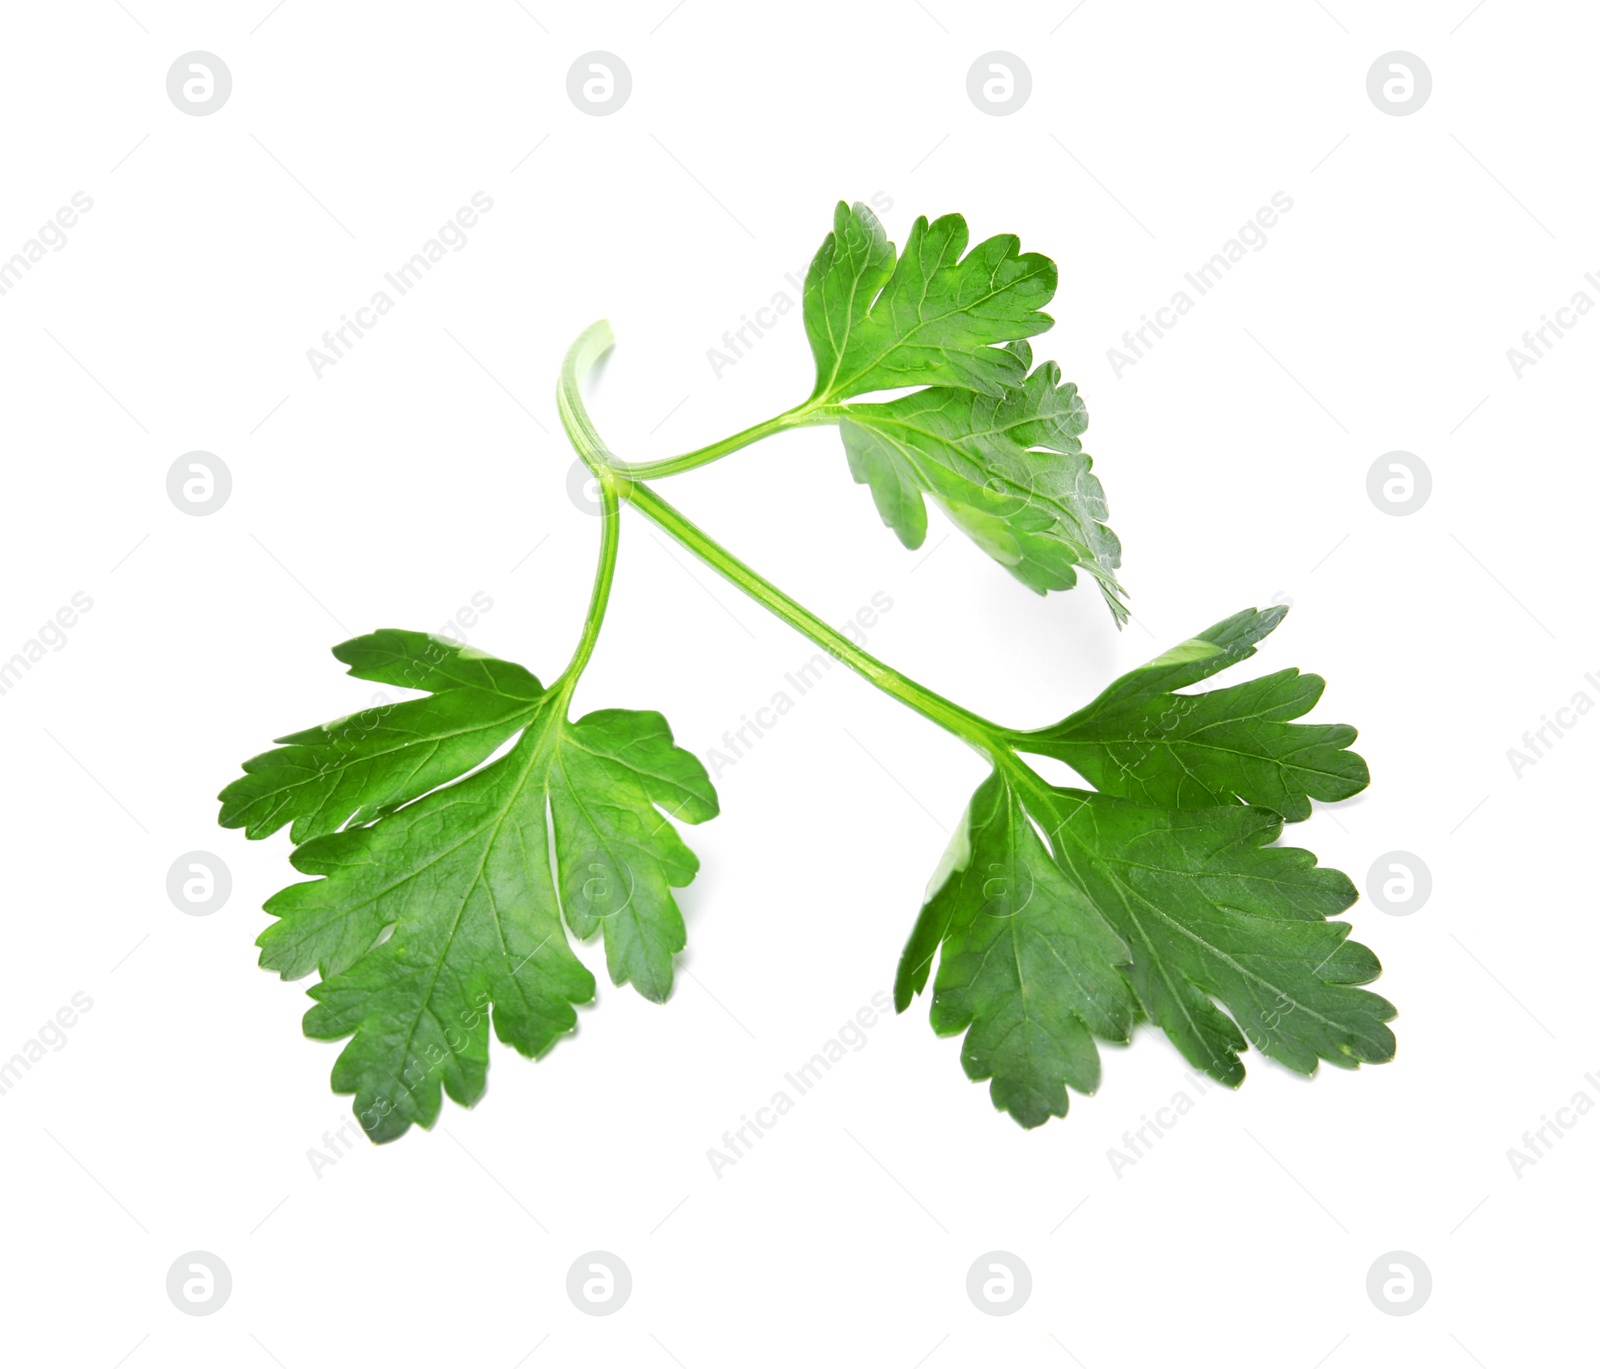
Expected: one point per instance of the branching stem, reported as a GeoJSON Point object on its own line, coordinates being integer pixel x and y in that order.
{"type": "Point", "coordinates": [618, 480]}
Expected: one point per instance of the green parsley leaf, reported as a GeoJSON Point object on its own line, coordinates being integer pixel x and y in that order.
{"type": "Point", "coordinates": [928, 318]}
{"type": "Point", "coordinates": [1009, 469]}
{"type": "Point", "coordinates": [1047, 892]}
{"type": "Point", "coordinates": [442, 894]}
{"type": "Point", "coordinates": [353, 770]}
{"type": "Point", "coordinates": [1142, 740]}
{"type": "Point", "coordinates": [996, 446]}
{"type": "Point", "coordinates": [1029, 968]}
{"type": "Point", "coordinates": [1209, 910]}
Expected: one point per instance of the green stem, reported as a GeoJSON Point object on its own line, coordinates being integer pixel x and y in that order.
{"type": "Point", "coordinates": [604, 572]}
{"type": "Point", "coordinates": [618, 480]}
{"type": "Point", "coordinates": [581, 356]}
{"type": "Point", "coordinates": [594, 343]}
{"type": "Point", "coordinates": [801, 416]}
{"type": "Point", "coordinates": [952, 717]}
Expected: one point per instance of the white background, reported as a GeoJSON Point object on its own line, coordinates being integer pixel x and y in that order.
{"type": "Point", "coordinates": [427, 466]}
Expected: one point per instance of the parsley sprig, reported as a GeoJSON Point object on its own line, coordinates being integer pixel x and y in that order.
{"type": "Point", "coordinates": [461, 839]}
